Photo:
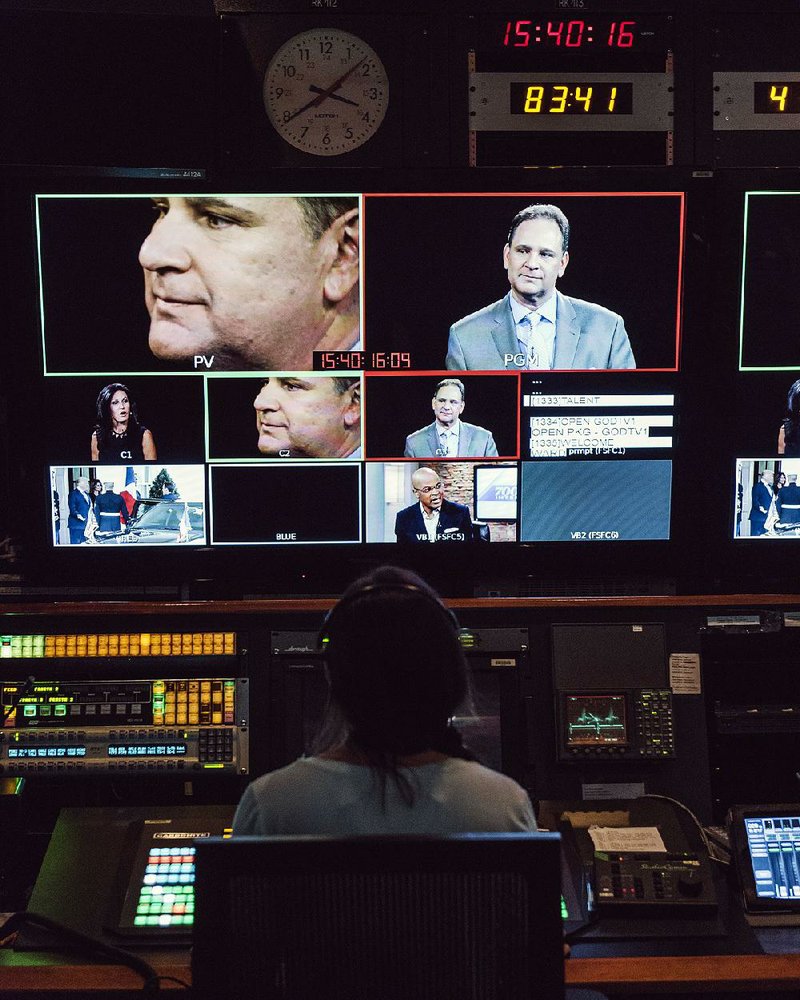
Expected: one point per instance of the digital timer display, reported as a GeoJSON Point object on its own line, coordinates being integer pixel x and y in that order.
{"type": "Point", "coordinates": [576, 34]}
{"type": "Point", "coordinates": [776, 98]}
{"type": "Point", "coordinates": [342, 361]}
{"type": "Point", "coordinates": [571, 98]}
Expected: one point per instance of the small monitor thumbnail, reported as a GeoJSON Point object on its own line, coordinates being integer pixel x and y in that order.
{"type": "Point", "coordinates": [586, 416]}
{"type": "Point", "coordinates": [766, 498]}
{"type": "Point", "coordinates": [595, 720]}
{"type": "Point", "coordinates": [108, 505]}
{"type": "Point", "coordinates": [424, 502]}
{"type": "Point", "coordinates": [591, 500]}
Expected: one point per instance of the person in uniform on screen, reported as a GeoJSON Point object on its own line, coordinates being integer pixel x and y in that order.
{"type": "Point", "coordinates": [432, 518]}
{"type": "Point", "coordinates": [252, 282]}
{"type": "Point", "coordinates": [79, 503]}
{"type": "Point", "coordinates": [535, 326]}
{"type": "Point", "coordinates": [118, 436]}
{"type": "Point", "coordinates": [110, 510]}
{"type": "Point", "coordinates": [788, 502]}
{"type": "Point", "coordinates": [299, 417]}
{"type": "Point", "coordinates": [762, 497]}
{"type": "Point", "coordinates": [448, 435]}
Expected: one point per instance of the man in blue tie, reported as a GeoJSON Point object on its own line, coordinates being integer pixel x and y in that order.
{"type": "Point", "coordinates": [535, 326]}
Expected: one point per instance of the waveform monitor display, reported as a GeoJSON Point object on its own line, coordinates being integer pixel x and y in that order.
{"type": "Point", "coordinates": [593, 720]}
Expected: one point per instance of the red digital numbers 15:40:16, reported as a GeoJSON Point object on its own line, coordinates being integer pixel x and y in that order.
{"type": "Point", "coordinates": [568, 34]}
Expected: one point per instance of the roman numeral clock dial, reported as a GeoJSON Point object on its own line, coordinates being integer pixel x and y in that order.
{"type": "Point", "coordinates": [326, 92]}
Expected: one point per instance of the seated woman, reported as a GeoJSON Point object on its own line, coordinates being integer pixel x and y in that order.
{"type": "Point", "coordinates": [388, 759]}
{"type": "Point", "coordinates": [118, 437]}
{"type": "Point", "coordinates": [789, 432]}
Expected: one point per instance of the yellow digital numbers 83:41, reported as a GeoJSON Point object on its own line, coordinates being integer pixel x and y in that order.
{"type": "Point", "coordinates": [584, 98]}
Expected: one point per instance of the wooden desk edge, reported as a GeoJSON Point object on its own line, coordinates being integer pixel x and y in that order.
{"type": "Point", "coordinates": [645, 974]}
{"type": "Point", "coordinates": [687, 973]}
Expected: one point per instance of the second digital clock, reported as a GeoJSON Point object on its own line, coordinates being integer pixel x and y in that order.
{"type": "Point", "coordinates": [578, 98]}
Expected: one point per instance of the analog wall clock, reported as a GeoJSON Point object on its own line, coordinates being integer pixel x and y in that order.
{"type": "Point", "coordinates": [326, 92]}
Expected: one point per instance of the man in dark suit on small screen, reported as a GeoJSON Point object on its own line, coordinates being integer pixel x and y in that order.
{"type": "Point", "coordinates": [535, 326]}
{"type": "Point", "coordinates": [761, 497]}
{"type": "Point", "coordinates": [79, 504]}
{"type": "Point", "coordinates": [432, 519]}
{"type": "Point", "coordinates": [448, 436]}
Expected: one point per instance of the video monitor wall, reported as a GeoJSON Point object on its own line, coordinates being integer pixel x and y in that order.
{"type": "Point", "coordinates": [358, 367]}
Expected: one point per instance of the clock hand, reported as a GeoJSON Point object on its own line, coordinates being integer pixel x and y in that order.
{"type": "Point", "coordinates": [334, 97]}
{"type": "Point", "coordinates": [326, 92]}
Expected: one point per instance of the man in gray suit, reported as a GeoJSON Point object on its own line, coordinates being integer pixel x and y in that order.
{"type": "Point", "coordinates": [448, 436]}
{"type": "Point", "coordinates": [535, 326]}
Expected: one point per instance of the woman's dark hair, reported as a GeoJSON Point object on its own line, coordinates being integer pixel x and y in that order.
{"type": "Point", "coordinates": [396, 673]}
{"type": "Point", "coordinates": [93, 484]}
{"type": "Point", "coordinates": [791, 425]}
{"type": "Point", "coordinates": [103, 407]}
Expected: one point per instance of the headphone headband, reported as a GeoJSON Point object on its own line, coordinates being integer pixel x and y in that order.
{"type": "Point", "coordinates": [371, 588]}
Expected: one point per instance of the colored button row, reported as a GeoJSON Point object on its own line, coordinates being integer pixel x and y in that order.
{"type": "Point", "coordinates": [164, 920]}
{"type": "Point", "coordinates": [173, 891]}
{"type": "Point", "coordinates": [119, 644]}
{"type": "Point", "coordinates": [182, 878]}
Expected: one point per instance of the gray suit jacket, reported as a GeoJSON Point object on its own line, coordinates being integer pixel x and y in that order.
{"type": "Point", "coordinates": [587, 336]}
{"type": "Point", "coordinates": [472, 441]}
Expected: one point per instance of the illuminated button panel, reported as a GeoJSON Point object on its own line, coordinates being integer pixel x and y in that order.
{"type": "Point", "coordinates": [166, 898]}
{"type": "Point", "coordinates": [207, 701]}
{"type": "Point", "coordinates": [169, 725]}
{"type": "Point", "coordinates": [90, 645]}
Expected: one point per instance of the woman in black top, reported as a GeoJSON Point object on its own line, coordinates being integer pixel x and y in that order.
{"type": "Point", "coordinates": [118, 436]}
{"type": "Point", "coordinates": [789, 434]}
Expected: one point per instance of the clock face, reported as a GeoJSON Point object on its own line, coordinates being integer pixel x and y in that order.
{"type": "Point", "coordinates": [326, 92]}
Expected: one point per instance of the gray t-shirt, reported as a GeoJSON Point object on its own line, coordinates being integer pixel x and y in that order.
{"type": "Point", "coordinates": [332, 797]}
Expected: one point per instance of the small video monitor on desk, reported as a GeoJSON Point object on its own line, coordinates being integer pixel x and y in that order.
{"type": "Point", "coordinates": [766, 848]}
{"type": "Point", "coordinates": [123, 875]}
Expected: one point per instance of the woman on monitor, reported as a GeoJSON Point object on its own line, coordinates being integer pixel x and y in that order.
{"type": "Point", "coordinates": [118, 437]}
{"type": "Point", "coordinates": [789, 434]}
{"type": "Point", "coordinates": [389, 759]}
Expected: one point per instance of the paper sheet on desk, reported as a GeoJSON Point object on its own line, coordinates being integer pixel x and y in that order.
{"type": "Point", "coordinates": [627, 838]}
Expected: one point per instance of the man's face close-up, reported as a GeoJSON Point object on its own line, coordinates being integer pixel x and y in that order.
{"type": "Point", "coordinates": [535, 260]}
{"type": "Point", "coordinates": [237, 278]}
{"type": "Point", "coordinates": [448, 405]}
{"type": "Point", "coordinates": [305, 417]}
{"type": "Point", "coordinates": [430, 491]}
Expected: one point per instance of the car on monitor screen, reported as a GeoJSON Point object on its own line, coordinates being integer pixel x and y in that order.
{"type": "Point", "coordinates": [163, 523]}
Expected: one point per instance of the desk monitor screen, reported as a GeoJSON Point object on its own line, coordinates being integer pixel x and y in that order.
{"type": "Point", "coordinates": [767, 842]}
{"type": "Point", "coordinates": [158, 899]}
{"type": "Point", "coordinates": [595, 720]}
